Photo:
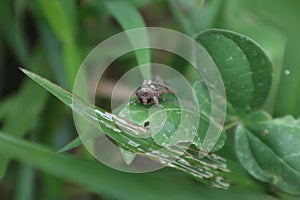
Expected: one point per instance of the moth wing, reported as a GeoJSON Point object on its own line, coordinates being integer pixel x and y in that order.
{"type": "Point", "coordinates": [167, 88]}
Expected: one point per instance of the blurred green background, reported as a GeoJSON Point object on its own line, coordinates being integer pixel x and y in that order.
{"type": "Point", "coordinates": [53, 37]}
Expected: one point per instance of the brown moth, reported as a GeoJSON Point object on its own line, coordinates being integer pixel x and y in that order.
{"type": "Point", "coordinates": [152, 91]}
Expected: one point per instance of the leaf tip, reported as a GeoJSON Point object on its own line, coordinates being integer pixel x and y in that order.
{"type": "Point", "coordinates": [25, 71]}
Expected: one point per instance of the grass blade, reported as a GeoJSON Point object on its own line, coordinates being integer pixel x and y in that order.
{"type": "Point", "coordinates": [25, 183]}
{"type": "Point", "coordinates": [59, 21]}
{"type": "Point", "coordinates": [62, 23]}
{"type": "Point", "coordinates": [129, 18]}
{"type": "Point", "coordinates": [104, 180]}
{"type": "Point", "coordinates": [209, 171]}
{"type": "Point", "coordinates": [30, 108]}
{"type": "Point", "coordinates": [74, 143]}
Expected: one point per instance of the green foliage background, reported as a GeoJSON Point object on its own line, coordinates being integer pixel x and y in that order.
{"type": "Point", "coordinates": [53, 37]}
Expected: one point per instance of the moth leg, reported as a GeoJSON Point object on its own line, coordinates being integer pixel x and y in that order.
{"type": "Point", "coordinates": [155, 100]}
{"type": "Point", "coordinates": [134, 102]}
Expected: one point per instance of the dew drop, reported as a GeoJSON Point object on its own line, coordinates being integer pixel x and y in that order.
{"type": "Point", "coordinates": [286, 72]}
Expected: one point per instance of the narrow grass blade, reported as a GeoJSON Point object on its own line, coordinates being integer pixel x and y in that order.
{"type": "Point", "coordinates": [209, 171]}
{"type": "Point", "coordinates": [129, 18]}
{"type": "Point", "coordinates": [103, 180]}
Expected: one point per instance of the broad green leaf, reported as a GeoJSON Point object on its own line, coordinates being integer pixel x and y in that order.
{"type": "Point", "coordinates": [272, 39]}
{"type": "Point", "coordinates": [261, 67]}
{"type": "Point", "coordinates": [269, 150]}
{"type": "Point", "coordinates": [279, 22]}
{"type": "Point", "coordinates": [94, 176]}
{"type": "Point", "coordinates": [209, 171]}
{"type": "Point", "coordinates": [130, 18]}
{"type": "Point", "coordinates": [245, 68]}
{"type": "Point", "coordinates": [246, 156]}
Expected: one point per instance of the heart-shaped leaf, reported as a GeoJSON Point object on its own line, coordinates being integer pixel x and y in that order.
{"type": "Point", "coordinates": [269, 150]}
{"type": "Point", "coordinates": [244, 67]}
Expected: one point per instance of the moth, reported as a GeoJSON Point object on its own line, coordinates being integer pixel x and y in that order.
{"type": "Point", "coordinates": [151, 91]}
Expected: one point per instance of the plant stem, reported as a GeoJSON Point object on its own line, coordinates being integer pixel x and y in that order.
{"type": "Point", "coordinates": [233, 124]}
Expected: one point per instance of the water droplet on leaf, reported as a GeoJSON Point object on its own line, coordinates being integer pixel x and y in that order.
{"type": "Point", "coordinates": [286, 72]}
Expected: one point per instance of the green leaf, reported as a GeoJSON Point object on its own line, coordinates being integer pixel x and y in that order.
{"type": "Point", "coordinates": [3, 165]}
{"type": "Point", "coordinates": [246, 156]}
{"type": "Point", "coordinates": [128, 156]}
{"type": "Point", "coordinates": [62, 24]}
{"type": "Point", "coordinates": [279, 21]}
{"type": "Point", "coordinates": [86, 110]}
{"type": "Point", "coordinates": [244, 66]}
{"type": "Point", "coordinates": [272, 39]}
{"type": "Point", "coordinates": [126, 14]}
{"type": "Point", "coordinates": [94, 176]}
{"type": "Point", "coordinates": [59, 21]}
{"type": "Point", "coordinates": [72, 61]}
{"type": "Point", "coordinates": [184, 21]}
{"type": "Point", "coordinates": [130, 18]}
{"type": "Point", "coordinates": [24, 103]}
{"type": "Point", "coordinates": [74, 143]}
{"type": "Point", "coordinates": [10, 110]}
{"type": "Point", "coordinates": [209, 171]}
{"type": "Point", "coordinates": [25, 184]}
{"type": "Point", "coordinates": [53, 51]}
{"type": "Point", "coordinates": [260, 65]}
{"type": "Point", "coordinates": [269, 150]}
{"type": "Point", "coordinates": [11, 32]}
